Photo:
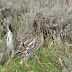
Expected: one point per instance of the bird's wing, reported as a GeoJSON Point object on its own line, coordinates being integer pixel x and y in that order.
{"type": "Point", "coordinates": [29, 45]}
{"type": "Point", "coordinates": [18, 53]}
{"type": "Point", "coordinates": [32, 44]}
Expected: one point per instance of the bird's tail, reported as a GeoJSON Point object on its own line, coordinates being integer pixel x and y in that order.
{"type": "Point", "coordinates": [9, 27]}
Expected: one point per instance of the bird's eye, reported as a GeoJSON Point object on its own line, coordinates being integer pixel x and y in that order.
{"type": "Point", "coordinates": [23, 44]}
{"type": "Point", "coordinates": [41, 30]}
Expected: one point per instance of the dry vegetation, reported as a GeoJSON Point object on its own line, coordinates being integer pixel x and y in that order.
{"type": "Point", "coordinates": [58, 18]}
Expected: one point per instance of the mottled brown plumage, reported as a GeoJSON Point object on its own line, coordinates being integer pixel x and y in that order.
{"type": "Point", "coordinates": [31, 42]}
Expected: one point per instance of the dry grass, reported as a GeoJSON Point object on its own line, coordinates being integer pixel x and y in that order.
{"type": "Point", "coordinates": [56, 12]}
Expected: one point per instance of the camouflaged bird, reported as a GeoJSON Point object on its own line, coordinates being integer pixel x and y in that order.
{"type": "Point", "coordinates": [27, 46]}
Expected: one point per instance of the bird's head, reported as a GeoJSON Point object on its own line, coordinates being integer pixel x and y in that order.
{"type": "Point", "coordinates": [38, 16]}
{"type": "Point", "coordinates": [38, 20]}
{"type": "Point", "coordinates": [40, 26]}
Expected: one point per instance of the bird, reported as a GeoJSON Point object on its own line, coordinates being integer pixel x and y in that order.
{"type": "Point", "coordinates": [30, 43]}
